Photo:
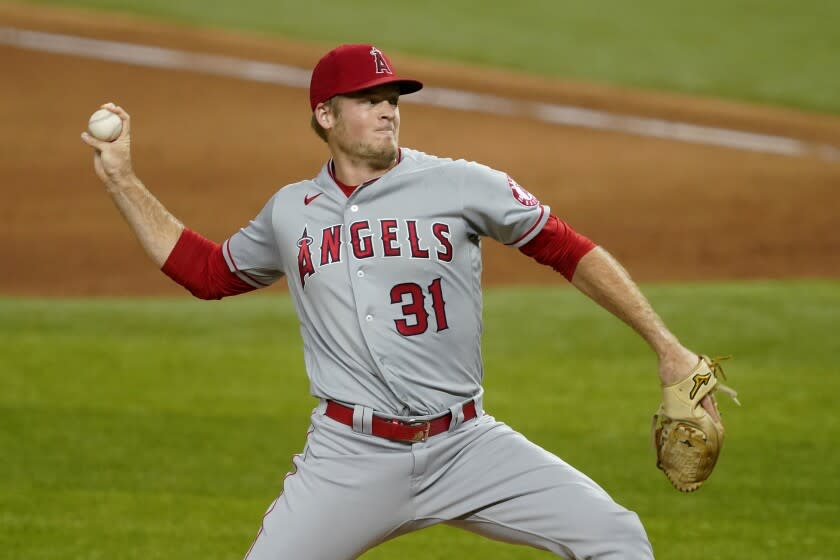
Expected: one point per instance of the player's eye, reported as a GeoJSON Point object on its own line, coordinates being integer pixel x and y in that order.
{"type": "Point", "coordinates": [373, 100]}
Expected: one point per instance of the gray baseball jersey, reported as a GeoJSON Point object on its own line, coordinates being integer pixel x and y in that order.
{"type": "Point", "coordinates": [387, 282]}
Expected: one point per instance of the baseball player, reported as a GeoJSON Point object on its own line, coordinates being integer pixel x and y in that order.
{"type": "Point", "coordinates": [381, 253]}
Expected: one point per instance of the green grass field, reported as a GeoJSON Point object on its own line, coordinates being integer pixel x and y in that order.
{"type": "Point", "coordinates": [151, 429]}
{"type": "Point", "coordinates": [777, 51]}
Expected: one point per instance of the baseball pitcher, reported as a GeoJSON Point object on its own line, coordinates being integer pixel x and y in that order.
{"type": "Point", "coordinates": [381, 251]}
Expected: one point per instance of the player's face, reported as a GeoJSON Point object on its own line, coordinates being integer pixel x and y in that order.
{"type": "Point", "coordinates": [368, 126]}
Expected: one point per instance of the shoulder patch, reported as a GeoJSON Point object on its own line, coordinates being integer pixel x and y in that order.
{"type": "Point", "coordinates": [522, 196]}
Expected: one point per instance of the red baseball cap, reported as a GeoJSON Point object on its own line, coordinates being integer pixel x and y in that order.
{"type": "Point", "coordinates": [350, 68]}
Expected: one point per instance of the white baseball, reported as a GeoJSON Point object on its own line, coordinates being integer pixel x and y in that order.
{"type": "Point", "coordinates": [105, 125]}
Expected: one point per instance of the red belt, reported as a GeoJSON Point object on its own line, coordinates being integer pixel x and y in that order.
{"type": "Point", "coordinates": [400, 430]}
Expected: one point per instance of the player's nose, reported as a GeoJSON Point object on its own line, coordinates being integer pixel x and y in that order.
{"type": "Point", "coordinates": [387, 110]}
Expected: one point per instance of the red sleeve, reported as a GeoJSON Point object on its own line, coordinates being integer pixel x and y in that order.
{"type": "Point", "coordinates": [198, 265]}
{"type": "Point", "coordinates": [559, 246]}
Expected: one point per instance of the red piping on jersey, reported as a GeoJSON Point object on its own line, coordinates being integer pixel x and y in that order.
{"type": "Point", "coordinates": [198, 265]}
{"type": "Point", "coordinates": [559, 246]}
{"type": "Point", "coordinates": [348, 189]}
{"type": "Point", "coordinates": [233, 262]}
{"type": "Point", "coordinates": [527, 233]}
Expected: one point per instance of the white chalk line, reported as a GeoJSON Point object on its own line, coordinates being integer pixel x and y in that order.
{"type": "Point", "coordinates": [290, 76]}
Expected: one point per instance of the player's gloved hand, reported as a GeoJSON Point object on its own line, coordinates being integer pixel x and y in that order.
{"type": "Point", "coordinates": [687, 437]}
{"type": "Point", "coordinates": [672, 367]}
{"type": "Point", "coordinates": [112, 160]}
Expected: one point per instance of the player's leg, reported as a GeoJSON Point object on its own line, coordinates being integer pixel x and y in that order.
{"type": "Point", "coordinates": [348, 492]}
{"type": "Point", "coordinates": [502, 486]}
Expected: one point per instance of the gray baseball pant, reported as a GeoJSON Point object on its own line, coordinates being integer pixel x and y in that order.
{"type": "Point", "coordinates": [351, 491]}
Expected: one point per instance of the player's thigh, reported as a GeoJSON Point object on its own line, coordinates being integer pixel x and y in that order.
{"type": "Point", "coordinates": [523, 494]}
{"type": "Point", "coordinates": [346, 495]}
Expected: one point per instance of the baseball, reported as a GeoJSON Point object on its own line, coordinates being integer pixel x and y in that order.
{"type": "Point", "coordinates": [105, 125]}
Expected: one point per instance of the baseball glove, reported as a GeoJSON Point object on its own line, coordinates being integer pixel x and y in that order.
{"type": "Point", "coordinates": [686, 438]}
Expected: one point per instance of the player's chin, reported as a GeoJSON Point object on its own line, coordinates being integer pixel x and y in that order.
{"type": "Point", "coordinates": [384, 140]}
{"type": "Point", "coordinates": [382, 154]}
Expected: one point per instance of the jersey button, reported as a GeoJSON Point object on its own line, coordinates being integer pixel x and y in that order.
{"type": "Point", "coordinates": [354, 208]}
{"type": "Point", "coordinates": [369, 318]}
{"type": "Point", "coordinates": [361, 274]}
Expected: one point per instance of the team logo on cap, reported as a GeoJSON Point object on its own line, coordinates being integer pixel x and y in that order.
{"type": "Point", "coordinates": [381, 64]}
{"type": "Point", "coordinates": [522, 196]}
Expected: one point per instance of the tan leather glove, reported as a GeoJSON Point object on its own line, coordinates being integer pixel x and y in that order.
{"type": "Point", "coordinates": [687, 439]}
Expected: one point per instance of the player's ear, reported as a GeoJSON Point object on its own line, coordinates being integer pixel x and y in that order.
{"type": "Point", "coordinates": [324, 115]}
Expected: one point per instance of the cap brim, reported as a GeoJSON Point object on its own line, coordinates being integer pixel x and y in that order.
{"type": "Point", "coordinates": [406, 85]}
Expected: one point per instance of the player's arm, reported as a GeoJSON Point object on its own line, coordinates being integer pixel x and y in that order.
{"type": "Point", "coordinates": [496, 205]}
{"type": "Point", "coordinates": [191, 260]}
{"type": "Point", "coordinates": [155, 227]}
{"type": "Point", "coordinates": [603, 279]}
{"type": "Point", "coordinates": [593, 271]}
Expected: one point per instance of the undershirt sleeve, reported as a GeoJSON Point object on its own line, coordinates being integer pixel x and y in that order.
{"type": "Point", "coordinates": [559, 246]}
{"type": "Point", "coordinates": [197, 264]}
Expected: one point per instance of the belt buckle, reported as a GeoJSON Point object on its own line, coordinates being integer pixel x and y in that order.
{"type": "Point", "coordinates": [420, 436]}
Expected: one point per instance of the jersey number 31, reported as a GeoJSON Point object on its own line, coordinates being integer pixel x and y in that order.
{"type": "Point", "coordinates": [415, 307]}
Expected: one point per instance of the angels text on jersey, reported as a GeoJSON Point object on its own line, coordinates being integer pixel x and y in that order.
{"type": "Point", "coordinates": [363, 239]}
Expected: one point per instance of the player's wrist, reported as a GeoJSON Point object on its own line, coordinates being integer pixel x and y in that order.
{"type": "Point", "coordinates": [661, 340]}
{"type": "Point", "coordinates": [675, 362]}
{"type": "Point", "coordinates": [122, 182]}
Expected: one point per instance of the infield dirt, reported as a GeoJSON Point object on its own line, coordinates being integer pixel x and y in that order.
{"type": "Point", "coordinates": [214, 149]}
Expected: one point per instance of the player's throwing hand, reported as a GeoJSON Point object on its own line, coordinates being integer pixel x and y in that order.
{"type": "Point", "coordinates": [112, 160]}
